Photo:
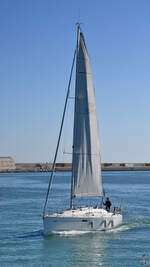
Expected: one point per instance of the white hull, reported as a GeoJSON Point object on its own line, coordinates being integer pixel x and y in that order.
{"type": "Point", "coordinates": [85, 219]}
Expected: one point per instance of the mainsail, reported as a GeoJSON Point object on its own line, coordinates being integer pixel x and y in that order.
{"type": "Point", "coordinates": [86, 167]}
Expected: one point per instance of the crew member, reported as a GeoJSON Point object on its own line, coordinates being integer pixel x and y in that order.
{"type": "Point", "coordinates": [107, 204]}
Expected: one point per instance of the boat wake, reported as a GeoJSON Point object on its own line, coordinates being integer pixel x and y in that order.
{"type": "Point", "coordinates": [73, 232]}
{"type": "Point", "coordinates": [118, 229]}
{"type": "Point", "coordinates": [133, 224]}
{"type": "Point", "coordinates": [70, 233]}
{"type": "Point", "coordinates": [35, 234]}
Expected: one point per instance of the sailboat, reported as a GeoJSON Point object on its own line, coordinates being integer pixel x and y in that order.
{"type": "Point", "coordinates": [86, 179]}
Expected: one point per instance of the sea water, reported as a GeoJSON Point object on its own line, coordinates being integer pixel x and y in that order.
{"type": "Point", "coordinates": [22, 243]}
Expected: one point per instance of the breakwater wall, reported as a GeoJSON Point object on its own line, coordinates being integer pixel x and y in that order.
{"type": "Point", "coordinates": [11, 166]}
{"type": "Point", "coordinates": [110, 166]}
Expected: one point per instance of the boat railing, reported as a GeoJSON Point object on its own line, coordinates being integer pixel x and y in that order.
{"type": "Point", "coordinates": [117, 210]}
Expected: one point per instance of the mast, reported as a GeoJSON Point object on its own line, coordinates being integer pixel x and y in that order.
{"type": "Point", "coordinates": [72, 180]}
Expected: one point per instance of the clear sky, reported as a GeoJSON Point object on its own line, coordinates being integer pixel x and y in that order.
{"type": "Point", "coordinates": [37, 42]}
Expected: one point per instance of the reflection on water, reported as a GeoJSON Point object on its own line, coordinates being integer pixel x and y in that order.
{"type": "Point", "coordinates": [86, 249]}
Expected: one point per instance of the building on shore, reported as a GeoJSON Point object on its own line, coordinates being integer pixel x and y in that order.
{"type": "Point", "coordinates": [7, 164]}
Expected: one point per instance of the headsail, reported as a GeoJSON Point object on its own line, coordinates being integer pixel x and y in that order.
{"type": "Point", "coordinates": [86, 168]}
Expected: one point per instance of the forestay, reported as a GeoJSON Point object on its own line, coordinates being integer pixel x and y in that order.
{"type": "Point", "coordinates": [86, 167]}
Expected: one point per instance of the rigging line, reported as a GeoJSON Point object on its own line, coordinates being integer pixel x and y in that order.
{"type": "Point", "coordinates": [60, 132]}
{"type": "Point", "coordinates": [80, 153]}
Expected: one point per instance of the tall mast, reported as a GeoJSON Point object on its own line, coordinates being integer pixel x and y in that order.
{"type": "Point", "coordinates": [72, 181]}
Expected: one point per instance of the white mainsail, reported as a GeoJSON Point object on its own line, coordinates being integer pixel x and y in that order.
{"type": "Point", "coordinates": [86, 167]}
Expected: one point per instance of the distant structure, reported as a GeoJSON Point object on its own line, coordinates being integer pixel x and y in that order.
{"type": "Point", "coordinates": [7, 164]}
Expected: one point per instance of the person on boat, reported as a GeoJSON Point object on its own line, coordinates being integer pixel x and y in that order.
{"type": "Point", "coordinates": [107, 204]}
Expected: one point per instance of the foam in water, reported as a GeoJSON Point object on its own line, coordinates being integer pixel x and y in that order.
{"type": "Point", "coordinates": [119, 229]}
{"type": "Point", "coordinates": [70, 232]}
{"type": "Point", "coordinates": [113, 230]}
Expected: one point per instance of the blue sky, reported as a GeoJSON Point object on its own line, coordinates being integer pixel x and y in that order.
{"type": "Point", "coordinates": [37, 44]}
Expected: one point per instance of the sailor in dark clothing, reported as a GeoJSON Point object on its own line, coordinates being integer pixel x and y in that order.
{"type": "Point", "coordinates": [107, 204]}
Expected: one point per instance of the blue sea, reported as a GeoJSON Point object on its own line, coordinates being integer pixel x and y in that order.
{"type": "Point", "coordinates": [22, 243]}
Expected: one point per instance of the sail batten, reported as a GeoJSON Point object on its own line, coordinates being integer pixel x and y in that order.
{"type": "Point", "coordinates": [86, 167]}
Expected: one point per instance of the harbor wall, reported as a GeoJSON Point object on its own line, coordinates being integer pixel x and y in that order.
{"type": "Point", "coordinates": [7, 164]}
{"type": "Point", "coordinates": [110, 166]}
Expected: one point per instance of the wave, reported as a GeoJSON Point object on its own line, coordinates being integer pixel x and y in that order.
{"type": "Point", "coordinates": [31, 234]}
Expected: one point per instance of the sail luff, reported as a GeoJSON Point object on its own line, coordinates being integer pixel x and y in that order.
{"type": "Point", "coordinates": [86, 169]}
{"type": "Point", "coordinates": [72, 178]}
